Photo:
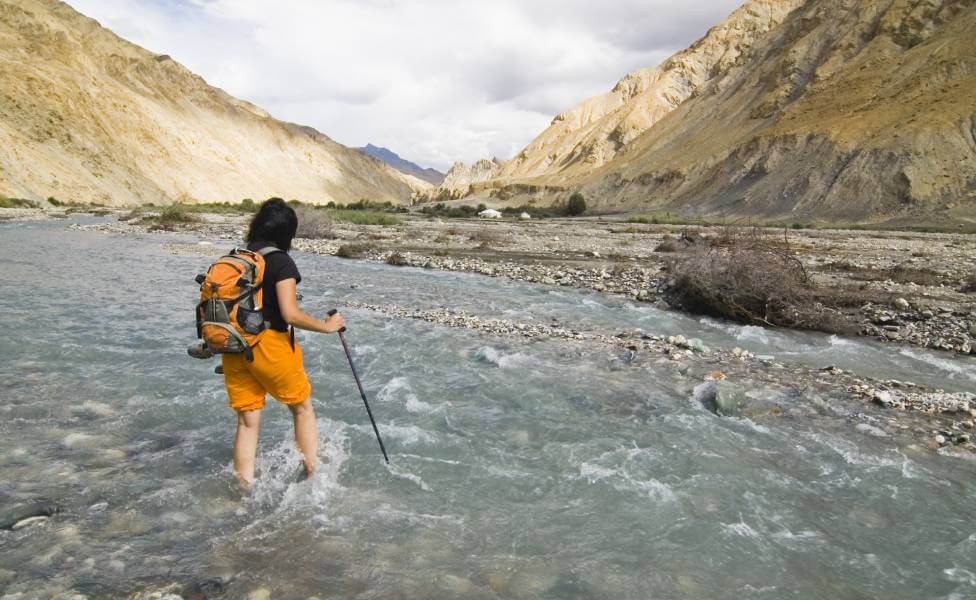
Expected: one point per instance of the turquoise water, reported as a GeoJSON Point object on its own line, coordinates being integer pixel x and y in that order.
{"type": "Point", "coordinates": [521, 469]}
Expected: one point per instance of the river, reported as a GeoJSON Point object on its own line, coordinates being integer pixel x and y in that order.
{"type": "Point", "coordinates": [520, 468]}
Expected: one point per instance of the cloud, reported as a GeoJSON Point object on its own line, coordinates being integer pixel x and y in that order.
{"type": "Point", "coordinates": [434, 80]}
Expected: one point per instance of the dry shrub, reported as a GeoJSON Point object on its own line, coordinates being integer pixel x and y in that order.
{"type": "Point", "coordinates": [352, 250]}
{"type": "Point", "coordinates": [898, 273]}
{"type": "Point", "coordinates": [314, 223]}
{"type": "Point", "coordinates": [132, 214]}
{"type": "Point", "coordinates": [396, 259]}
{"type": "Point", "coordinates": [903, 274]}
{"type": "Point", "coordinates": [485, 236]}
{"type": "Point", "coordinates": [668, 245]}
{"type": "Point", "coordinates": [750, 278]}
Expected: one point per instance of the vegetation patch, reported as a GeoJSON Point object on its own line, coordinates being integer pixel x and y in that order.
{"type": "Point", "coordinates": [314, 224]}
{"type": "Point", "coordinates": [897, 274]}
{"type": "Point", "coordinates": [661, 219]}
{"type": "Point", "coordinates": [17, 203]}
{"type": "Point", "coordinates": [397, 259]}
{"type": "Point", "coordinates": [576, 205]}
{"type": "Point", "coordinates": [170, 217]}
{"type": "Point", "coordinates": [363, 217]}
{"type": "Point", "coordinates": [751, 278]}
{"type": "Point", "coordinates": [353, 250]}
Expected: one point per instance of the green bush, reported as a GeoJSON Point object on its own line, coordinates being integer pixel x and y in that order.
{"type": "Point", "coordinates": [169, 217]}
{"type": "Point", "coordinates": [363, 217]}
{"type": "Point", "coordinates": [16, 203]}
{"type": "Point", "coordinates": [576, 205]}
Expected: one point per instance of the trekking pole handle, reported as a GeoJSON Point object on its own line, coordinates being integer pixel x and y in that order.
{"type": "Point", "coordinates": [332, 312]}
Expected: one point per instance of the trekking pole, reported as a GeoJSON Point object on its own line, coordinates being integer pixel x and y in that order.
{"type": "Point", "coordinates": [361, 392]}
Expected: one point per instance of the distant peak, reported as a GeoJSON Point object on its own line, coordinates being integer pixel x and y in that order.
{"type": "Point", "coordinates": [400, 164]}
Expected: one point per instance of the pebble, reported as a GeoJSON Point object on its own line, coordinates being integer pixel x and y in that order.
{"type": "Point", "coordinates": [929, 327]}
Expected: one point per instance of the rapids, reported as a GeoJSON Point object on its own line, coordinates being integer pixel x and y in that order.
{"type": "Point", "coordinates": [520, 469]}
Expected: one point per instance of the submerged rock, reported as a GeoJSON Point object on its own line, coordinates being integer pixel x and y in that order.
{"type": "Point", "coordinates": [31, 514]}
{"type": "Point", "coordinates": [721, 397]}
{"type": "Point", "coordinates": [203, 590]}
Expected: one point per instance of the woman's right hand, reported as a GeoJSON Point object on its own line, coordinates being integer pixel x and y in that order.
{"type": "Point", "coordinates": [334, 323]}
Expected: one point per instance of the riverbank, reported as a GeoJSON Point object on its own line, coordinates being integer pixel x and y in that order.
{"type": "Point", "coordinates": [899, 287]}
{"type": "Point", "coordinates": [559, 254]}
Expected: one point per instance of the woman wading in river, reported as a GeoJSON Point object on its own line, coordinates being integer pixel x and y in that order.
{"type": "Point", "coordinates": [276, 367]}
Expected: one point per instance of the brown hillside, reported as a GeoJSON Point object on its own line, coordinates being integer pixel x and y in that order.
{"type": "Point", "coordinates": [87, 116]}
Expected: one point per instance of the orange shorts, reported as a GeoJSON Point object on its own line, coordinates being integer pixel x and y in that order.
{"type": "Point", "coordinates": [276, 370]}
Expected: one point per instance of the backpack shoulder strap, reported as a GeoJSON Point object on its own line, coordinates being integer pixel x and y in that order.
{"type": "Point", "coordinates": [269, 250]}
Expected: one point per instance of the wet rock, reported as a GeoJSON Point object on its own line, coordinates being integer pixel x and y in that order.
{"type": "Point", "coordinates": [33, 513]}
{"type": "Point", "coordinates": [867, 429]}
{"type": "Point", "coordinates": [721, 397]}
{"type": "Point", "coordinates": [203, 590]}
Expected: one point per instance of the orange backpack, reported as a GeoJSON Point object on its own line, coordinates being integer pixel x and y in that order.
{"type": "Point", "coordinates": [229, 317]}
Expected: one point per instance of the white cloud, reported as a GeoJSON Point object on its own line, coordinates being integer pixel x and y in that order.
{"type": "Point", "coordinates": [434, 80]}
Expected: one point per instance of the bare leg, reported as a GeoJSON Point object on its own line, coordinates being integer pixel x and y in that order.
{"type": "Point", "coordinates": [306, 433]}
{"type": "Point", "coordinates": [246, 446]}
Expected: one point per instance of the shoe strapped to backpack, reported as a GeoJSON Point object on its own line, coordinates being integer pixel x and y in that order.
{"type": "Point", "coordinates": [229, 317]}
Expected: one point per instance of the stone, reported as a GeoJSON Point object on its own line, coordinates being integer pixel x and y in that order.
{"type": "Point", "coordinates": [721, 397]}
{"type": "Point", "coordinates": [262, 593]}
{"type": "Point", "coordinates": [901, 304]}
{"type": "Point", "coordinates": [882, 397]}
{"type": "Point", "coordinates": [870, 430]}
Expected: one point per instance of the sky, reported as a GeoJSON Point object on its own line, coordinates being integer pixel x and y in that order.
{"type": "Point", "coordinates": [433, 80]}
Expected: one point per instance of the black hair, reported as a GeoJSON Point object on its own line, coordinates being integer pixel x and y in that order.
{"type": "Point", "coordinates": [275, 222]}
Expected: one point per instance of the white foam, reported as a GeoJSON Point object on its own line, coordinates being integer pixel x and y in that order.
{"type": "Point", "coordinates": [406, 434]}
{"type": "Point", "coordinates": [619, 478]}
{"type": "Point", "coordinates": [277, 486]}
{"type": "Point", "coordinates": [741, 529]}
{"type": "Point", "coordinates": [502, 360]}
{"type": "Point", "coordinates": [411, 477]}
{"type": "Point", "coordinates": [960, 575]}
{"type": "Point", "coordinates": [399, 388]}
{"type": "Point", "coordinates": [943, 364]}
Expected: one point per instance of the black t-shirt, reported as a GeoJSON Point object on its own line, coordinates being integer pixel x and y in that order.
{"type": "Point", "coordinates": [278, 266]}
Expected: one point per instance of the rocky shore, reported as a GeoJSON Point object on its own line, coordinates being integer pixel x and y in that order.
{"type": "Point", "coordinates": [923, 279]}
{"type": "Point", "coordinates": [627, 260]}
{"type": "Point", "coordinates": [931, 417]}
{"type": "Point", "coordinates": [911, 288]}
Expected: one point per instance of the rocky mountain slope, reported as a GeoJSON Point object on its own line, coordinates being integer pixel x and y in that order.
{"type": "Point", "coordinates": [87, 116]}
{"type": "Point", "coordinates": [591, 133]}
{"type": "Point", "coordinates": [431, 176]}
{"type": "Point", "coordinates": [844, 110]}
{"type": "Point", "coordinates": [461, 176]}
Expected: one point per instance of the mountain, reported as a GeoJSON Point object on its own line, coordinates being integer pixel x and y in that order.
{"type": "Point", "coordinates": [836, 110]}
{"type": "Point", "coordinates": [88, 116]}
{"type": "Point", "coordinates": [431, 176]}
{"type": "Point", "coordinates": [591, 133]}
{"type": "Point", "coordinates": [461, 176]}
